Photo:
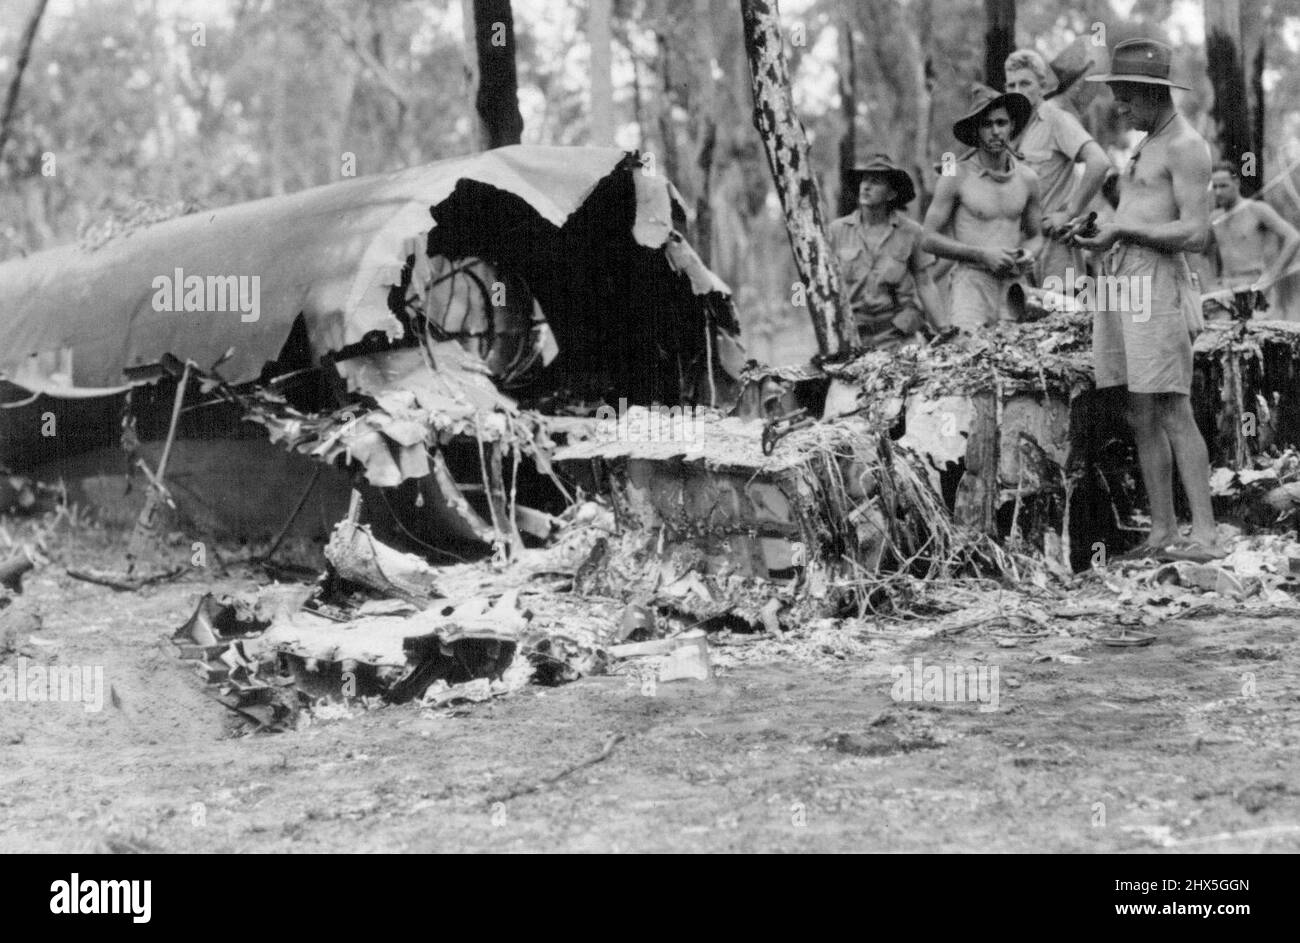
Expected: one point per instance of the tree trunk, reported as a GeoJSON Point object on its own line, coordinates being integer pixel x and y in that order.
{"type": "Point", "coordinates": [1253, 28]}
{"type": "Point", "coordinates": [1227, 74]}
{"type": "Point", "coordinates": [708, 131]}
{"type": "Point", "coordinates": [345, 102]}
{"type": "Point", "coordinates": [704, 201]}
{"type": "Point", "coordinates": [497, 96]}
{"type": "Point", "coordinates": [849, 114]}
{"type": "Point", "coordinates": [276, 120]}
{"type": "Point", "coordinates": [923, 73]}
{"type": "Point", "coordinates": [35, 196]}
{"type": "Point", "coordinates": [165, 88]}
{"type": "Point", "coordinates": [602, 84]}
{"type": "Point", "coordinates": [667, 133]}
{"type": "Point", "coordinates": [471, 70]}
{"type": "Point", "coordinates": [638, 106]}
{"type": "Point", "coordinates": [1000, 39]}
{"type": "Point", "coordinates": [16, 83]}
{"type": "Point", "coordinates": [787, 155]}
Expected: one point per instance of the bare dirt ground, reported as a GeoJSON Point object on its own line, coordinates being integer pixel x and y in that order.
{"type": "Point", "coordinates": [794, 746]}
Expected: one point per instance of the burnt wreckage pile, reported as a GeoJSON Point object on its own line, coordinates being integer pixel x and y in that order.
{"type": "Point", "coordinates": [515, 361]}
{"type": "Point", "coordinates": [973, 457]}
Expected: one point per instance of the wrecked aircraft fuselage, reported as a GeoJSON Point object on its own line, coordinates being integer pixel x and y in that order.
{"type": "Point", "coordinates": [413, 327]}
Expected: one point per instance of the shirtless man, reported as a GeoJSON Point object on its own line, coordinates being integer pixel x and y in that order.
{"type": "Point", "coordinates": [1246, 233]}
{"type": "Point", "coordinates": [1162, 212]}
{"type": "Point", "coordinates": [990, 205]}
{"type": "Point", "coordinates": [1052, 143]}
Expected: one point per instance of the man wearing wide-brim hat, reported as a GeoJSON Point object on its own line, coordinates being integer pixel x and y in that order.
{"type": "Point", "coordinates": [1052, 143]}
{"type": "Point", "coordinates": [1071, 64]}
{"type": "Point", "coordinates": [1142, 328]}
{"type": "Point", "coordinates": [883, 272]}
{"type": "Point", "coordinates": [985, 214]}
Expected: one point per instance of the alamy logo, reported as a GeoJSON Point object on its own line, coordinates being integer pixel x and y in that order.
{"type": "Point", "coordinates": [102, 897]}
{"type": "Point", "coordinates": [654, 424]}
{"type": "Point", "coordinates": [71, 684]}
{"type": "Point", "coordinates": [209, 294]}
{"type": "Point", "coordinates": [953, 684]}
{"type": "Point", "coordinates": [1129, 294]}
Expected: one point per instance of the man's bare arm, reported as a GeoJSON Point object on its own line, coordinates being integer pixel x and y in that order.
{"type": "Point", "coordinates": [1189, 168]}
{"type": "Point", "coordinates": [1271, 220]}
{"type": "Point", "coordinates": [926, 290]}
{"type": "Point", "coordinates": [939, 217]}
{"type": "Point", "coordinates": [1031, 221]}
{"type": "Point", "coordinates": [1096, 165]}
{"type": "Point", "coordinates": [1206, 264]}
{"type": "Point", "coordinates": [1211, 248]}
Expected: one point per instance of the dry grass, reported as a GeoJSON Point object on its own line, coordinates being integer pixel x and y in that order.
{"type": "Point", "coordinates": [887, 533]}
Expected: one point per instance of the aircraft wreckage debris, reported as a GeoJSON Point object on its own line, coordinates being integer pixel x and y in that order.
{"type": "Point", "coordinates": [933, 476]}
{"type": "Point", "coordinates": [965, 485]}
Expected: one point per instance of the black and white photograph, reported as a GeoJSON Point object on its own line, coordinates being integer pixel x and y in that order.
{"type": "Point", "coordinates": [651, 426]}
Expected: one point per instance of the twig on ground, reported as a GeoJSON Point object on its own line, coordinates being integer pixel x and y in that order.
{"type": "Point", "coordinates": [613, 741]}
{"type": "Point", "coordinates": [125, 584]}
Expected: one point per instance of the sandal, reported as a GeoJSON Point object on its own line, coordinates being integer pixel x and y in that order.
{"type": "Point", "coordinates": [1189, 551]}
{"type": "Point", "coordinates": [1136, 554]}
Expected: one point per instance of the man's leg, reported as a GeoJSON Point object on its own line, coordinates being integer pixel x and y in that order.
{"type": "Point", "coordinates": [1156, 458]}
{"type": "Point", "coordinates": [1193, 460]}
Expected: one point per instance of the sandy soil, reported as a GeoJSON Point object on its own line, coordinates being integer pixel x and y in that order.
{"type": "Point", "coordinates": [795, 745]}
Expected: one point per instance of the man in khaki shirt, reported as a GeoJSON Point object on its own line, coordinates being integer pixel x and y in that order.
{"type": "Point", "coordinates": [882, 268]}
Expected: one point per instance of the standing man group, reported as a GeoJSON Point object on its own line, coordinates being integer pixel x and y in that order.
{"type": "Point", "coordinates": [991, 210]}
{"type": "Point", "coordinates": [1052, 143]}
{"type": "Point", "coordinates": [990, 213]}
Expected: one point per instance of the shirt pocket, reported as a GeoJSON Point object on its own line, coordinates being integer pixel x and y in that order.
{"type": "Point", "coordinates": [853, 262]}
{"type": "Point", "coordinates": [892, 268]}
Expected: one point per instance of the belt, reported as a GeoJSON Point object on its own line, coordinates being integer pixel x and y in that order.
{"type": "Point", "coordinates": [876, 322]}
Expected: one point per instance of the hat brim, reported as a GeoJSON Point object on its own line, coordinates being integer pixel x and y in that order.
{"type": "Point", "coordinates": [1136, 79]}
{"type": "Point", "coordinates": [1066, 79]}
{"type": "Point", "coordinates": [967, 130]}
{"type": "Point", "coordinates": [899, 180]}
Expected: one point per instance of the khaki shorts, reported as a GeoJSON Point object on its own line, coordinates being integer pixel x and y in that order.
{"type": "Point", "coordinates": [977, 298]}
{"type": "Point", "coordinates": [1143, 341]}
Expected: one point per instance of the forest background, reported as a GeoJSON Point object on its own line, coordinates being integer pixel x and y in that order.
{"type": "Point", "coordinates": [122, 110]}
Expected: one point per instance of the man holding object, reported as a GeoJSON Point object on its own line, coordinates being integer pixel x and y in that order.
{"type": "Point", "coordinates": [985, 213]}
{"type": "Point", "coordinates": [1147, 348]}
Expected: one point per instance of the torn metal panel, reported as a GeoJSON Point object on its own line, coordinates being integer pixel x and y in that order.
{"type": "Point", "coordinates": [711, 527]}
{"type": "Point", "coordinates": [448, 505]}
{"type": "Point", "coordinates": [358, 557]}
{"type": "Point", "coordinates": [451, 385]}
{"type": "Point", "coordinates": [280, 650]}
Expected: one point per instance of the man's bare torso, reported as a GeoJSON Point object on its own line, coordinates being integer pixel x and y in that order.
{"type": "Point", "coordinates": [989, 211]}
{"type": "Point", "coordinates": [1146, 193]}
{"type": "Point", "coordinates": [1245, 244]}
